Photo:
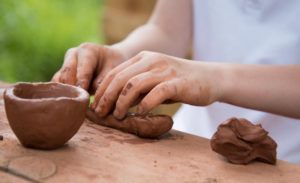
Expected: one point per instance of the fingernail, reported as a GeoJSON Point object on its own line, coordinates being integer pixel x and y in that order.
{"type": "Point", "coordinates": [99, 111]}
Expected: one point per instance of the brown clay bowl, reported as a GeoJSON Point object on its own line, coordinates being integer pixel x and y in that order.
{"type": "Point", "coordinates": [45, 115]}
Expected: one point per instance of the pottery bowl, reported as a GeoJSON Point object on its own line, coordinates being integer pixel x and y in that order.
{"type": "Point", "coordinates": [45, 115]}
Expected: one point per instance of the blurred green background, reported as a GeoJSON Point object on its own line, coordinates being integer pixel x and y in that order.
{"type": "Point", "coordinates": [34, 35]}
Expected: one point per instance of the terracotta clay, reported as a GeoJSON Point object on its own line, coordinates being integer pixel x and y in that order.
{"type": "Point", "coordinates": [45, 115]}
{"type": "Point", "coordinates": [149, 126]}
{"type": "Point", "coordinates": [241, 142]}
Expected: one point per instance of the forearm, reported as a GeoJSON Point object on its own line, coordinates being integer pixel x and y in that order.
{"type": "Point", "coordinates": [270, 88]}
{"type": "Point", "coordinates": [151, 38]}
{"type": "Point", "coordinates": [165, 32]}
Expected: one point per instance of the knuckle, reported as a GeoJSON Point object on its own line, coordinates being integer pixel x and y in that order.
{"type": "Point", "coordinates": [110, 75]}
{"type": "Point", "coordinates": [134, 82]}
{"type": "Point", "coordinates": [86, 45]}
{"type": "Point", "coordinates": [146, 53]}
{"type": "Point", "coordinates": [70, 50]}
{"type": "Point", "coordinates": [155, 54]}
{"type": "Point", "coordinates": [129, 85]}
{"type": "Point", "coordinates": [162, 60]}
{"type": "Point", "coordinates": [66, 70]}
{"type": "Point", "coordinates": [118, 78]}
{"type": "Point", "coordinates": [164, 88]}
{"type": "Point", "coordinates": [106, 99]}
{"type": "Point", "coordinates": [127, 88]}
{"type": "Point", "coordinates": [62, 79]}
{"type": "Point", "coordinates": [85, 75]}
{"type": "Point", "coordinates": [143, 53]}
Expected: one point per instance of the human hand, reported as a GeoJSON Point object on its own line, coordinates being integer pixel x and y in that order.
{"type": "Point", "coordinates": [87, 64]}
{"type": "Point", "coordinates": [160, 78]}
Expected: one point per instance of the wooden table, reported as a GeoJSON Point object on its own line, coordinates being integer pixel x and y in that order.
{"type": "Point", "coordinates": [100, 154]}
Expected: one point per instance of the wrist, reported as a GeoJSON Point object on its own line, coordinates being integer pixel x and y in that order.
{"type": "Point", "coordinates": [226, 82]}
{"type": "Point", "coordinates": [218, 75]}
{"type": "Point", "coordinates": [123, 50]}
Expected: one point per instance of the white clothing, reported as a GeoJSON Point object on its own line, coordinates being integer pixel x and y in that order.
{"type": "Point", "coordinates": [248, 32]}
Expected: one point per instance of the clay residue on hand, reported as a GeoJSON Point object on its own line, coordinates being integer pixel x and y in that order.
{"type": "Point", "coordinates": [241, 142]}
{"type": "Point", "coordinates": [148, 126]}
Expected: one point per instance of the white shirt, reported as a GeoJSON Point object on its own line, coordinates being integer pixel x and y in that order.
{"type": "Point", "coordinates": [252, 32]}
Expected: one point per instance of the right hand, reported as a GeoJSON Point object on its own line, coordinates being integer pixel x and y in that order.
{"type": "Point", "coordinates": [86, 65]}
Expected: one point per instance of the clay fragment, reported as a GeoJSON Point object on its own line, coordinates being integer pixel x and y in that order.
{"type": "Point", "coordinates": [149, 126]}
{"type": "Point", "coordinates": [45, 115]}
{"type": "Point", "coordinates": [241, 142]}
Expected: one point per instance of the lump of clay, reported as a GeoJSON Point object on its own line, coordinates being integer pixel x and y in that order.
{"type": "Point", "coordinates": [45, 115]}
{"type": "Point", "coordinates": [149, 126]}
{"type": "Point", "coordinates": [241, 142]}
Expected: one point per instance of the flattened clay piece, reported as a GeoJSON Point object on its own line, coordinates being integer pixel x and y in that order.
{"type": "Point", "coordinates": [241, 142]}
{"type": "Point", "coordinates": [32, 167]}
{"type": "Point", "coordinates": [149, 126]}
{"type": "Point", "coordinates": [45, 115]}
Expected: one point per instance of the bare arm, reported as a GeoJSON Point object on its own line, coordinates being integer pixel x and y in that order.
{"type": "Point", "coordinates": [270, 88]}
{"type": "Point", "coordinates": [169, 30]}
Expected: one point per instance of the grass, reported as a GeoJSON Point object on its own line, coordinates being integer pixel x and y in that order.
{"type": "Point", "coordinates": [35, 34]}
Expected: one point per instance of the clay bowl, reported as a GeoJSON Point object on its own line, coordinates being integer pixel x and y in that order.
{"type": "Point", "coordinates": [45, 115]}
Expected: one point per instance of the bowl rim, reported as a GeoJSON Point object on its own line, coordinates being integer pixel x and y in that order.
{"type": "Point", "coordinates": [82, 94]}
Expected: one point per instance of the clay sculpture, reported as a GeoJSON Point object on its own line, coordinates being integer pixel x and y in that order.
{"type": "Point", "coordinates": [45, 115]}
{"type": "Point", "coordinates": [241, 142]}
{"type": "Point", "coordinates": [149, 126]}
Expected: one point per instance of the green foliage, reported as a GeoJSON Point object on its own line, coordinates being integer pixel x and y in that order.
{"type": "Point", "coordinates": [34, 35]}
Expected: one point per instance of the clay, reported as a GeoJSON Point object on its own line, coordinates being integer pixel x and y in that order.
{"type": "Point", "coordinates": [1, 137]}
{"type": "Point", "coordinates": [45, 115]}
{"type": "Point", "coordinates": [241, 142]}
{"type": "Point", "coordinates": [149, 126]}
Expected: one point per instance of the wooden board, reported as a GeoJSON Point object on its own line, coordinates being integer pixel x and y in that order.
{"type": "Point", "coordinates": [100, 154]}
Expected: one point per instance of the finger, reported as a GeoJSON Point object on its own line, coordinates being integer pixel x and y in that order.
{"type": "Point", "coordinates": [159, 94]}
{"type": "Point", "coordinates": [109, 77]}
{"type": "Point", "coordinates": [99, 78]}
{"type": "Point", "coordinates": [56, 77]}
{"type": "Point", "coordinates": [113, 90]}
{"type": "Point", "coordinates": [68, 70]}
{"type": "Point", "coordinates": [87, 59]}
{"type": "Point", "coordinates": [134, 88]}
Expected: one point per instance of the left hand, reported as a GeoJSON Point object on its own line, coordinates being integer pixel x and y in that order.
{"type": "Point", "coordinates": [158, 78]}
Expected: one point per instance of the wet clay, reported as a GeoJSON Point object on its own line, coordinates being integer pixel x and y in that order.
{"type": "Point", "coordinates": [45, 115]}
{"type": "Point", "coordinates": [241, 142]}
{"type": "Point", "coordinates": [149, 126]}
